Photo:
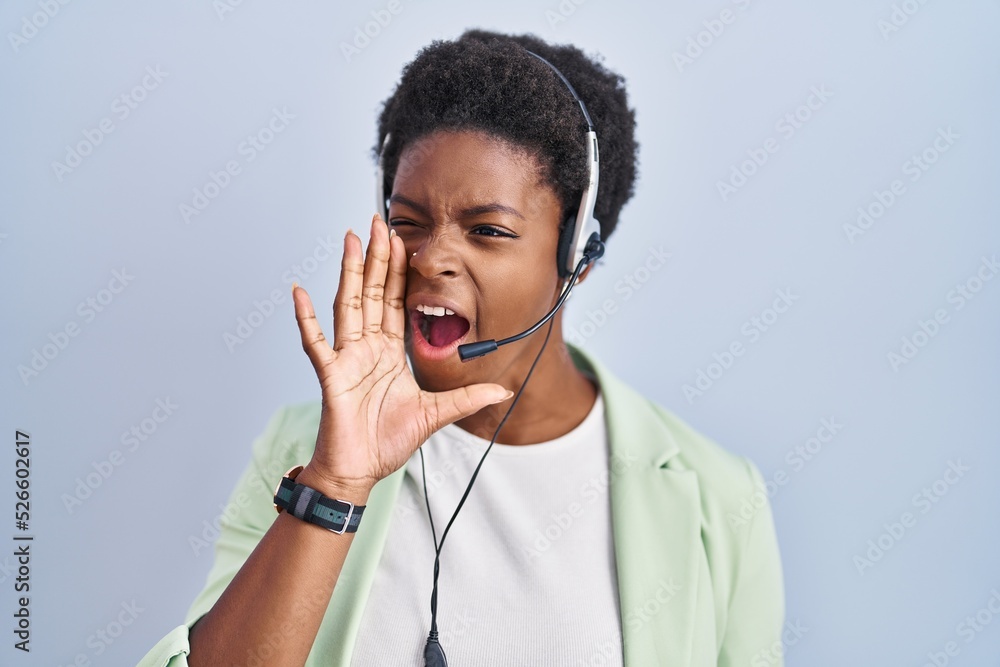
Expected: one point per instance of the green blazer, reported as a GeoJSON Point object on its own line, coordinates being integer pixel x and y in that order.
{"type": "Point", "coordinates": [699, 570]}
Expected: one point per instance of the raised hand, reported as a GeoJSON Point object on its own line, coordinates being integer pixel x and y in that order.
{"type": "Point", "coordinates": [374, 413]}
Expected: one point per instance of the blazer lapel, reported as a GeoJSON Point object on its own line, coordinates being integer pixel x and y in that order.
{"type": "Point", "coordinates": [656, 523]}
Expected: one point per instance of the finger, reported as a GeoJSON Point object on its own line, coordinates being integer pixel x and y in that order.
{"type": "Point", "coordinates": [347, 317]}
{"type": "Point", "coordinates": [394, 308]}
{"type": "Point", "coordinates": [313, 340]}
{"type": "Point", "coordinates": [458, 403]}
{"type": "Point", "coordinates": [376, 262]}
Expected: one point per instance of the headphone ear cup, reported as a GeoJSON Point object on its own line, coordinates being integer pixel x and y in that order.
{"type": "Point", "coordinates": [566, 234]}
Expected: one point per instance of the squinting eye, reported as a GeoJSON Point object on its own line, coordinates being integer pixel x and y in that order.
{"type": "Point", "coordinates": [486, 230]}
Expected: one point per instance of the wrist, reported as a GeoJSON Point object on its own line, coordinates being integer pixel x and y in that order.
{"type": "Point", "coordinates": [354, 493]}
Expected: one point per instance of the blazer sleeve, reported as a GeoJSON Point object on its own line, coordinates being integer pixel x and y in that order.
{"type": "Point", "coordinates": [756, 614]}
{"type": "Point", "coordinates": [242, 524]}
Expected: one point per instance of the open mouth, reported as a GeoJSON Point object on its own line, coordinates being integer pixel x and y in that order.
{"type": "Point", "coordinates": [439, 326]}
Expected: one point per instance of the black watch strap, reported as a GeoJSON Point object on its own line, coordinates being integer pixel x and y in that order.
{"type": "Point", "coordinates": [308, 504]}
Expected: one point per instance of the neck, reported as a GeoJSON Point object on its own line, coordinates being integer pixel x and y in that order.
{"type": "Point", "coordinates": [556, 399]}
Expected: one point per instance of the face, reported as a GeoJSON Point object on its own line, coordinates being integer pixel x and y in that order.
{"type": "Point", "coordinates": [480, 232]}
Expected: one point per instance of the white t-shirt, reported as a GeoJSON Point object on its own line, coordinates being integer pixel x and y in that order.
{"type": "Point", "coordinates": [527, 571]}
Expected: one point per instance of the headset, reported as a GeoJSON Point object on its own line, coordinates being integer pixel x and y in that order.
{"type": "Point", "coordinates": [579, 245]}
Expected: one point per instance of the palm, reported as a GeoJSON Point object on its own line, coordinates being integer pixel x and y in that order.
{"type": "Point", "coordinates": [371, 398]}
{"type": "Point", "coordinates": [375, 415]}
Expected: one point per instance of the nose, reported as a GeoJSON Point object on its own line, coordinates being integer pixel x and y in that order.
{"type": "Point", "coordinates": [435, 255]}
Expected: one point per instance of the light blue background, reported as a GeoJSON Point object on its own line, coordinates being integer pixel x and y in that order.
{"type": "Point", "coordinates": [162, 337]}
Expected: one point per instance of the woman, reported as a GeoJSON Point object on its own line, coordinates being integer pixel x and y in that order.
{"type": "Point", "coordinates": [603, 530]}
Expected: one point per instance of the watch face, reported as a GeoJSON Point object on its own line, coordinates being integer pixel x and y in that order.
{"type": "Point", "coordinates": [292, 473]}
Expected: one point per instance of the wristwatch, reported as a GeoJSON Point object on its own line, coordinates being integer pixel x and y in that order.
{"type": "Point", "coordinates": [306, 503]}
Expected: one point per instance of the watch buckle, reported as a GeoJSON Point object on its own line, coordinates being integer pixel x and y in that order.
{"type": "Point", "coordinates": [347, 517]}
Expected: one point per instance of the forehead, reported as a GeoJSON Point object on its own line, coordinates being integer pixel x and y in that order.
{"type": "Point", "coordinates": [454, 168]}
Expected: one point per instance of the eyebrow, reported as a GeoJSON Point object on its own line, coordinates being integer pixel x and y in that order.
{"type": "Point", "coordinates": [470, 212]}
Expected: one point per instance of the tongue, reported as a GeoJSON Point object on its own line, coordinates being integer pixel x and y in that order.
{"type": "Point", "coordinates": [446, 329]}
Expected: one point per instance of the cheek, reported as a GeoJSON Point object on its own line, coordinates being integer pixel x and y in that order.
{"type": "Point", "coordinates": [516, 290]}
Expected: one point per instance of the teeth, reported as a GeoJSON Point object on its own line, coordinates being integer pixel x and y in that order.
{"type": "Point", "coordinates": [434, 310]}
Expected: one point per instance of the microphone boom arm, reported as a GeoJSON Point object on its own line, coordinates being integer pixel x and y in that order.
{"type": "Point", "coordinates": [594, 249]}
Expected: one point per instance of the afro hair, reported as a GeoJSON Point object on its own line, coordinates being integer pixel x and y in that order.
{"type": "Point", "coordinates": [487, 81]}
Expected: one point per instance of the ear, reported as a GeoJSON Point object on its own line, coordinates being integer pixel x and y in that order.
{"type": "Point", "coordinates": [584, 274]}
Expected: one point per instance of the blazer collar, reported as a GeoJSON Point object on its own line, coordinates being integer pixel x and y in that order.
{"type": "Point", "coordinates": [656, 526]}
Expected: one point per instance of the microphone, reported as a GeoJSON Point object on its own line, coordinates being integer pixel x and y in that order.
{"type": "Point", "coordinates": [592, 251]}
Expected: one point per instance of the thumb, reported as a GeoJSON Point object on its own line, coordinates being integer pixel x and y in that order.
{"type": "Point", "coordinates": [455, 404]}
